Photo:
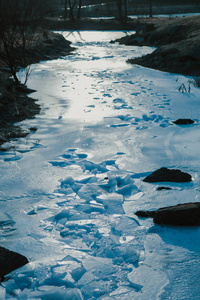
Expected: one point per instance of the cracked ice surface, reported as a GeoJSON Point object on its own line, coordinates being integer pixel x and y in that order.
{"type": "Point", "coordinates": [69, 191]}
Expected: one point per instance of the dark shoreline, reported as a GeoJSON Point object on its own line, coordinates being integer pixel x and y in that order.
{"type": "Point", "coordinates": [15, 103]}
{"type": "Point", "coordinates": [177, 45]}
{"type": "Point", "coordinates": [16, 106]}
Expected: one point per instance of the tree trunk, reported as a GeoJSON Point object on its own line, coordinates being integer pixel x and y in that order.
{"type": "Point", "coordinates": [65, 14]}
{"type": "Point", "coordinates": [125, 9]}
{"type": "Point", "coordinates": [119, 6]}
{"type": "Point", "coordinates": [150, 9]}
{"type": "Point", "coordinates": [79, 9]}
{"type": "Point", "coordinates": [71, 11]}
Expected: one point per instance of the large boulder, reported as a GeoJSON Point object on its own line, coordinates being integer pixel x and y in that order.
{"type": "Point", "coordinates": [183, 122]}
{"type": "Point", "coordinates": [187, 214]}
{"type": "Point", "coordinates": [161, 188]}
{"type": "Point", "coordinates": [167, 175]}
{"type": "Point", "coordinates": [9, 261]}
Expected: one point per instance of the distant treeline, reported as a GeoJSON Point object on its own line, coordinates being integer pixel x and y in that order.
{"type": "Point", "coordinates": [76, 9]}
{"type": "Point", "coordinates": [175, 2]}
{"type": "Point", "coordinates": [122, 8]}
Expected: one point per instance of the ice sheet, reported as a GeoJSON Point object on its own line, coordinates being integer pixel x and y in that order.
{"type": "Point", "coordinates": [69, 191]}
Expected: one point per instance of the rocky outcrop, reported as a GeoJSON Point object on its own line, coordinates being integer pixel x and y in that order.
{"type": "Point", "coordinates": [187, 214]}
{"type": "Point", "coordinates": [9, 261]}
{"type": "Point", "coordinates": [168, 175]}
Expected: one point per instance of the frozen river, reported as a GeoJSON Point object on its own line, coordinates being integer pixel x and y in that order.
{"type": "Point", "coordinates": [69, 191]}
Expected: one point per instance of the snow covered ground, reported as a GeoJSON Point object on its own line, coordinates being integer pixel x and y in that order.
{"type": "Point", "coordinates": [70, 190]}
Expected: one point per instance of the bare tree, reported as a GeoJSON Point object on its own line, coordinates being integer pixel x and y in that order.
{"type": "Point", "coordinates": [122, 9]}
{"type": "Point", "coordinates": [79, 9]}
{"type": "Point", "coordinates": [71, 8]}
{"type": "Point", "coordinates": [74, 9]}
{"type": "Point", "coordinates": [19, 21]}
{"type": "Point", "coordinates": [150, 9]}
{"type": "Point", "coordinates": [65, 9]}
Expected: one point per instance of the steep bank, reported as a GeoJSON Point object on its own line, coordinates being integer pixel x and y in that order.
{"type": "Point", "coordinates": [177, 42]}
{"type": "Point", "coordinates": [15, 104]}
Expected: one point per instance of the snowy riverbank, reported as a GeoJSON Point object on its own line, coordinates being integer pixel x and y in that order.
{"type": "Point", "coordinates": [72, 187]}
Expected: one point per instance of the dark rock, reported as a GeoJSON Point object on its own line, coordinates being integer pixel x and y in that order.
{"type": "Point", "coordinates": [9, 261]}
{"type": "Point", "coordinates": [33, 128]}
{"type": "Point", "coordinates": [145, 213]}
{"type": "Point", "coordinates": [183, 122]}
{"type": "Point", "coordinates": [187, 214]}
{"type": "Point", "coordinates": [160, 188]}
{"type": "Point", "coordinates": [167, 175]}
